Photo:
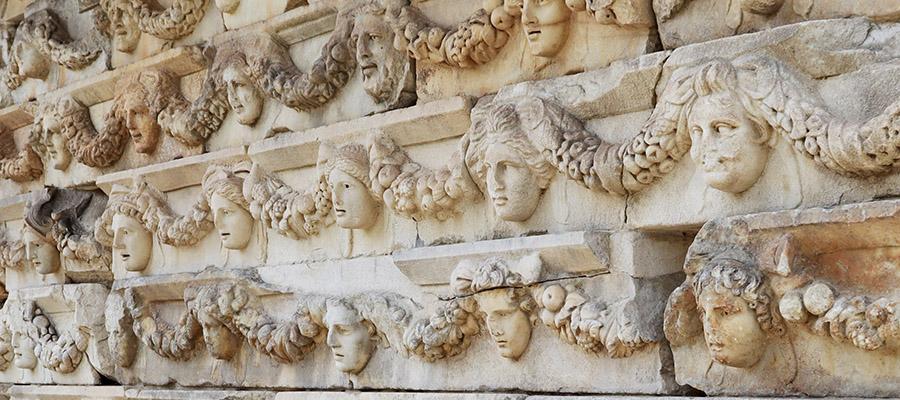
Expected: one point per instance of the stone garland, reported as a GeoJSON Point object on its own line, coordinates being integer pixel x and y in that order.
{"type": "Point", "coordinates": [128, 19]}
{"type": "Point", "coordinates": [40, 39]}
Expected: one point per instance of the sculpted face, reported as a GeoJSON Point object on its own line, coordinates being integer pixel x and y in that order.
{"type": "Point", "coordinates": [220, 341]}
{"type": "Point", "coordinates": [732, 333]}
{"type": "Point", "coordinates": [233, 222]}
{"type": "Point", "coordinates": [41, 254]}
{"type": "Point", "coordinates": [123, 345]}
{"type": "Point", "coordinates": [125, 29]}
{"type": "Point", "coordinates": [23, 351]}
{"type": "Point", "coordinates": [132, 243]}
{"type": "Point", "coordinates": [354, 207]}
{"type": "Point", "coordinates": [31, 62]}
{"type": "Point", "coordinates": [509, 326]}
{"type": "Point", "coordinates": [375, 52]}
{"type": "Point", "coordinates": [57, 151]}
{"type": "Point", "coordinates": [546, 24]}
{"type": "Point", "coordinates": [726, 144]}
{"type": "Point", "coordinates": [243, 97]}
{"type": "Point", "coordinates": [349, 339]}
{"type": "Point", "coordinates": [228, 6]}
{"type": "Point", "coordinates": [512, 186]}
{"type": "Point", "coordinates": [142, 125]}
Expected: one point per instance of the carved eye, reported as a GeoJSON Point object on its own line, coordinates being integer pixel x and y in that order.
{"type": "Point", "coordinates": [346, 186]}
{"type": "Point", "coordinates": [724, 129]}
{"type": "Point", "coordinates": [696, 131]}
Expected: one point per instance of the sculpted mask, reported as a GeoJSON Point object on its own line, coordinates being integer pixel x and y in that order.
{"type": "Point", "coordinates": [141, 125]}
{"type": "Point", "coordinates": [123, 23]}
{"type": "Point", "coordinates": [40, 252]}
{"type": "Point", "coordinates": [508, 324]}
{"type": "Point", "coordinates": [50, 142]}
{"type": "Point", "coordinates": [381, 65]}
{"type": "Point", "coordinates": [512, 187]}
{"type": "Point", "coordinates": [221, 343]}
{"type": "Point", "coordinates": [728, 143]}
{"type": "Point", "coordinates": [546, 25]}
{"type": "Point", "coordinates": [350, 337]}
{"type": "Point", "coordinates": [503, 298]}
{"type": "Point", "coordinates": [233, 222]}
{"type": "Point", "coordinates": [230, 210]}
{"type": "Point", "coordinates": [734, 304]}
{"type": "Point", "coordinates": [138, 102]}
{"type": "Point", "coordinates": [506, 164]}
{"type": "Point", "coordinates": [23, 350]}
{"type": "Point", "coordinates": [132, 242]}
{"type": "Point", "coordinates": [346, 169]}
{"type": "Point", "coordinates": [243, 96]}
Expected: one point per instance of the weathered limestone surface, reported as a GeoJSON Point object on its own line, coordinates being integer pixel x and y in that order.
{"type": "Point", "coordinates": [443, 199]}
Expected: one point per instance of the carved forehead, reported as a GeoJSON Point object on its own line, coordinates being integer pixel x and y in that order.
{"type": "Point", "coordinates": [339, 312]}
{"type": "Point", "coordinates": [723, 104]}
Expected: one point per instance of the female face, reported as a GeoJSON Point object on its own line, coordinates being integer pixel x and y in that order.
{"type": "Point", "coordinates": [132, 243]}
{"type": "Point", "coordinates": [725, 143]}
{"type": "Point", "coordinates": [243, 97]}
{"type": "Point", "coordinates": [509, 326]}
{"type": "Point", "coordinates": [546, 24]}
{"type": "Point", "coordinates": [233, 222]}
{"type": "Point", "coordinates": [354, 207]}
{"type": "Point", "coordinates": [40, 253]}
{"type": "Point", "coordinates": [731, 330]}
{"type": "Point", "coordinates": [512, 186]}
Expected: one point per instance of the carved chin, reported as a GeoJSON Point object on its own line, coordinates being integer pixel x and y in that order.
{"type": "Point", "coordinates": [127, 42]}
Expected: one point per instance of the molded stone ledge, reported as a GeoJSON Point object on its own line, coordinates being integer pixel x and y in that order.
{"type": "Point", "coordinates": [59, 392]}
{"type": "Point", "coordinates": [404, 126]}
{"type": "Point", "coordinates": [302, 23]}
{"type": "Point", "coordinates": [683, 22]}
{"type": "Point", "coordinates": [248, 12]}
{"type": "Point", "coordinates": [280, 288]}
{"type": "Point", "coordinates": [172, 175]}
{"type": "Point", "coordinates": [13, 207]}
{"type": "Point", "coordinates": [564, 255]}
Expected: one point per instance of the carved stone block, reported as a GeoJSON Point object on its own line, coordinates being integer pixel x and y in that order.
{"type": "Point", "coordinates": [791, 302]}
{"type": "Point", "coordinates": [474, 48]}
{"type": "Point", "coordinates": [683, 22]}
{"type": "Point", "coordinates": [56, 335]}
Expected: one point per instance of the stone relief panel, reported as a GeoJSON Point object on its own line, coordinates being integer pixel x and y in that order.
{"type": "Point", "coordinates": [53, 45]}
{"type": "Point", "coordinates": [59, 234]}
{"type": "Point", "coordinates": [129, 23]}
{"type": "Point", "coordinates": [677, 17]}
{"type": "Point", "coordinates": [59, 347]}
{"type": "Point", "coordinates": [307, 74]}
{"type": "Point", "coordinates": [774, 295]}
{"type": "Point", "coordinates": [483, 52]}
{"type": "Point", "coordinates": [139, 220]}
